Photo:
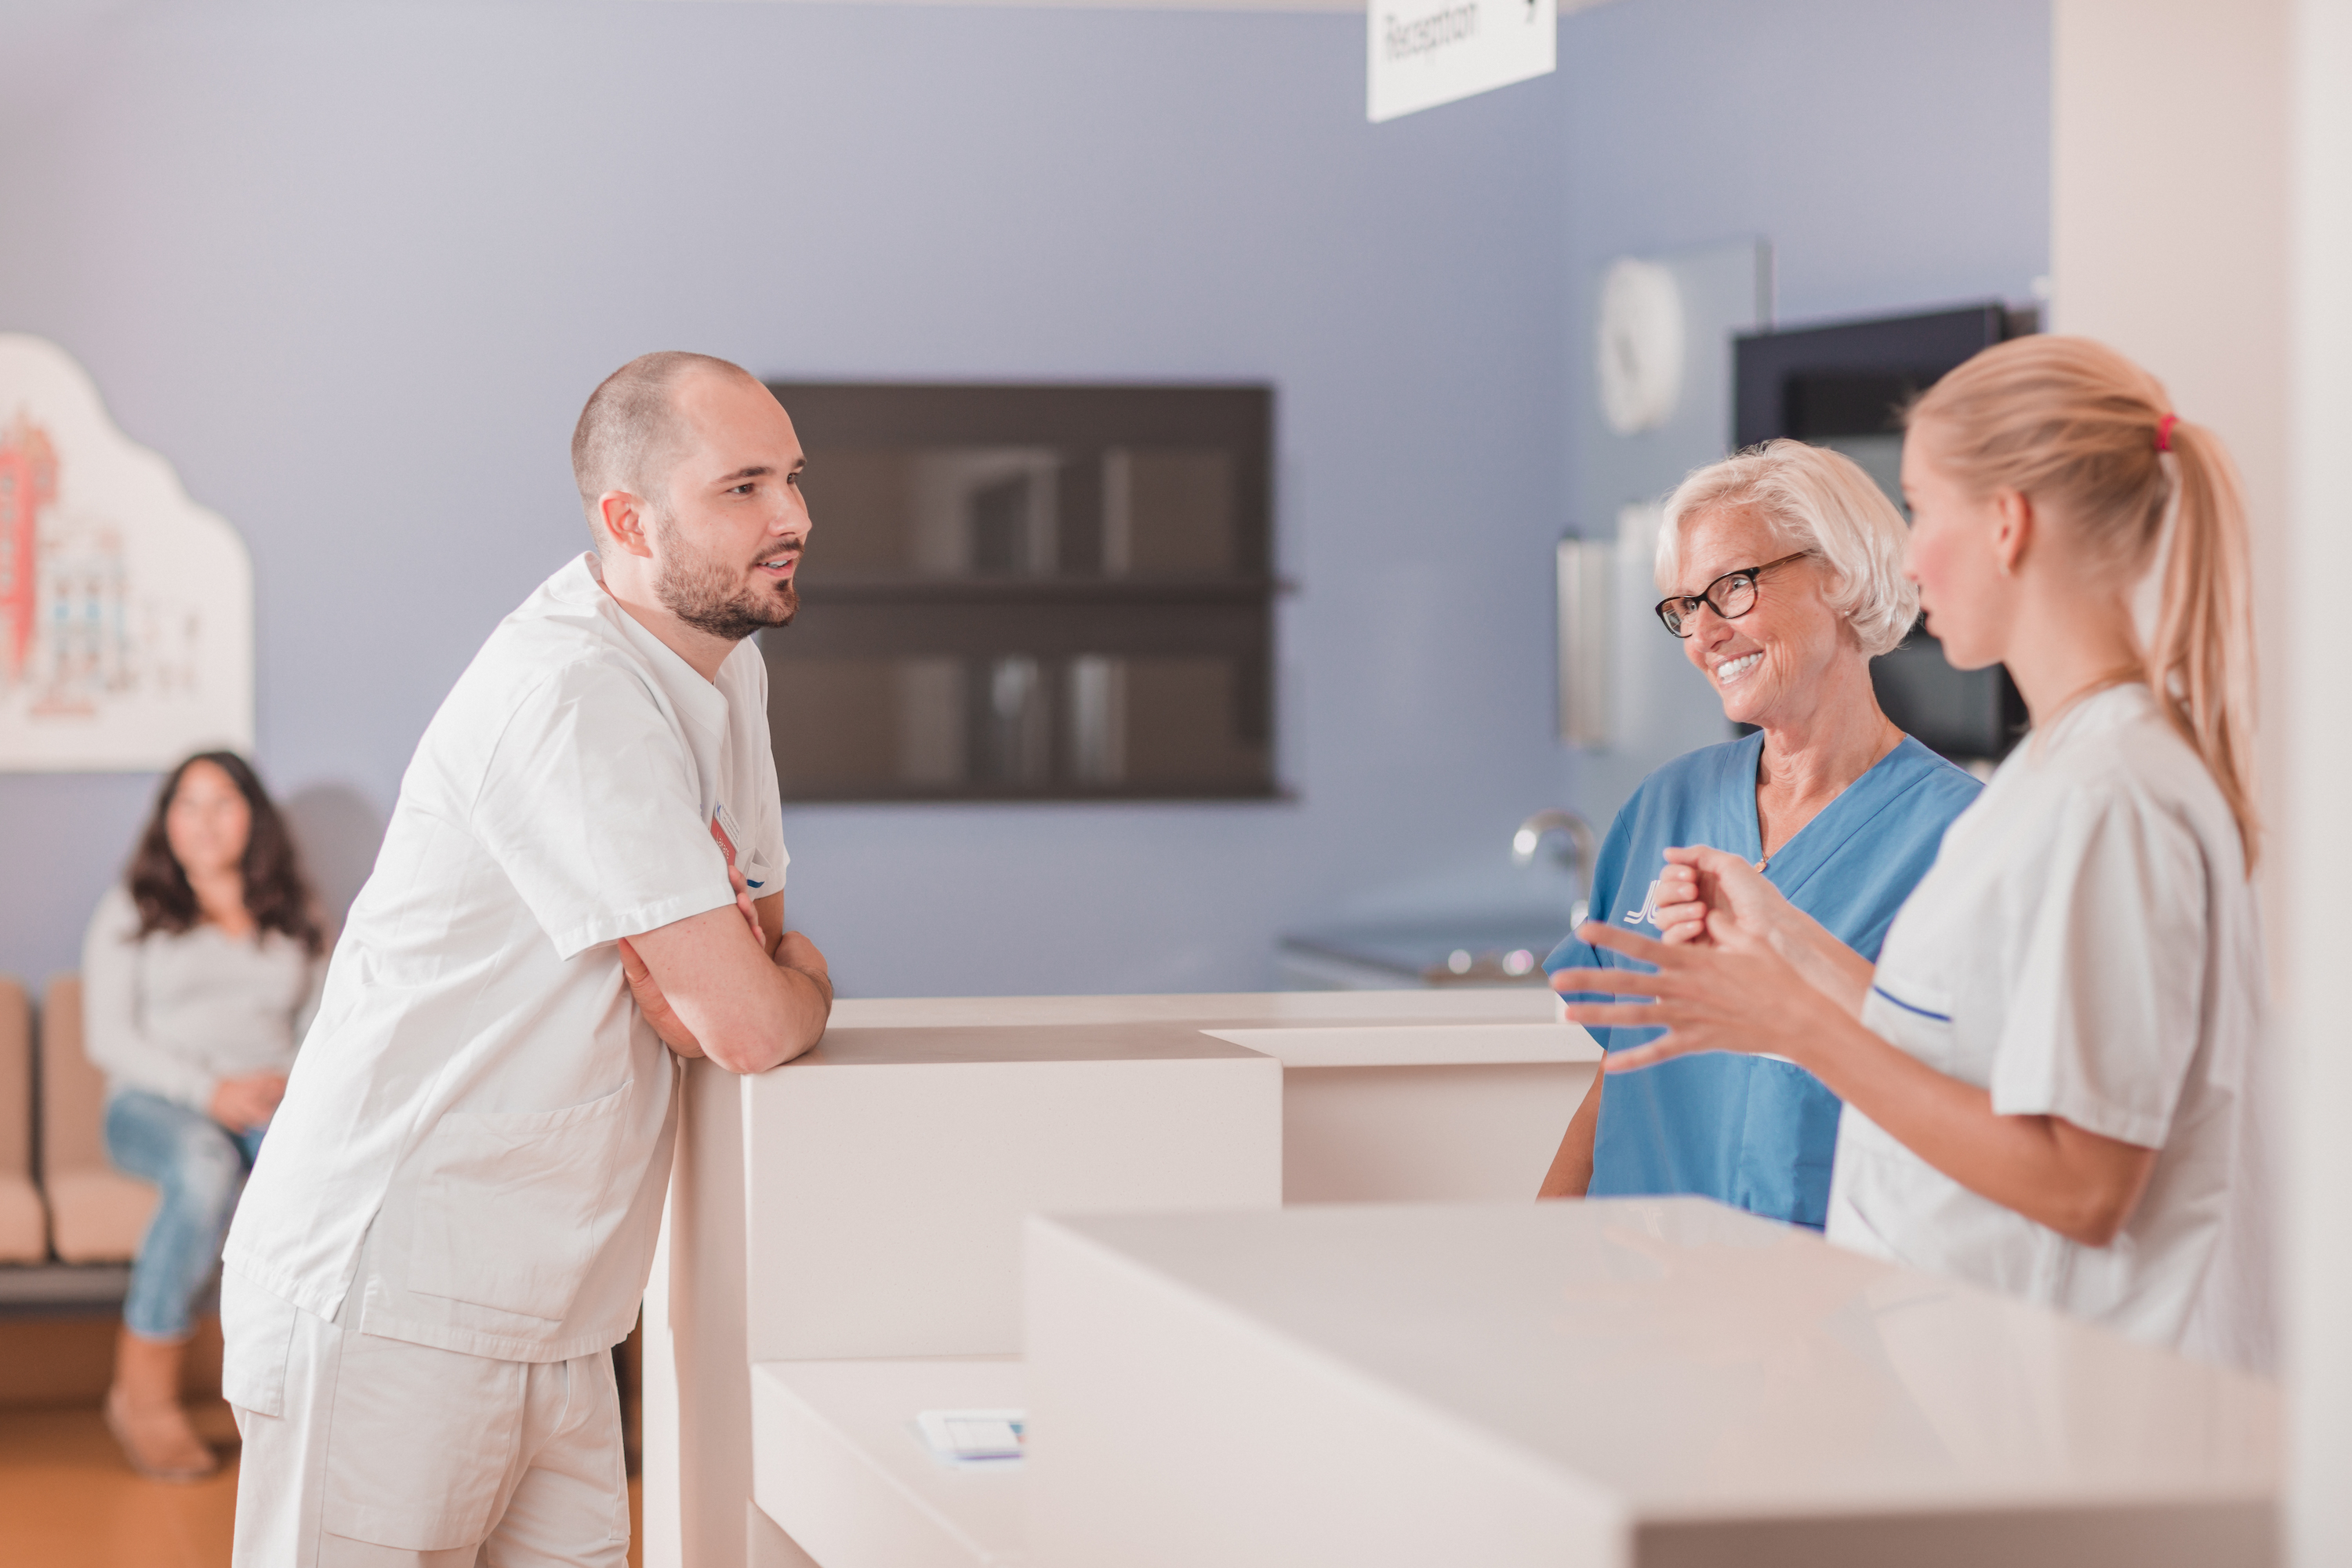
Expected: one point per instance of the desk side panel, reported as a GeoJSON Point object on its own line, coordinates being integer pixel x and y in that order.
{"type": "Point", "coordinates": [697, 1410]}
{"type": "Point", "coordinates": [885, 1202]}
{"type": "Point", "coordinates": [1425, 1134]}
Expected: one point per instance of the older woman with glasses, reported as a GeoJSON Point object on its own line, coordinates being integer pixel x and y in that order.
{"type": "Point", "coordinates": [1784, 570]}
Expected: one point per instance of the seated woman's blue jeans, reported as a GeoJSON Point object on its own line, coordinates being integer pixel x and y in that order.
{"type": "Point", "coordinates": [201, 1167]}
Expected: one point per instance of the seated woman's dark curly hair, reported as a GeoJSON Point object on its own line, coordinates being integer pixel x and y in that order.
{"type": "Point", "coordinates": [276, 894]}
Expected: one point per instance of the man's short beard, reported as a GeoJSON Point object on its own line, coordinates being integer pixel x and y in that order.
{"type": "Point", "coordinates": [709, 597]}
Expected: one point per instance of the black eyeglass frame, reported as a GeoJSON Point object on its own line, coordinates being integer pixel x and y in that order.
{"type": "Point", "coordinates": [1707, 595]}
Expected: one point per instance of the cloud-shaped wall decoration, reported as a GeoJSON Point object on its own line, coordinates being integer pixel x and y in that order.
{"type": "Point", "coordinates": [126, 609]}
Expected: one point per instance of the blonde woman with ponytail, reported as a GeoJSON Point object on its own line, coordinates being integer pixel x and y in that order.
{"type": "Point", "coordinates": [2047, 1073]}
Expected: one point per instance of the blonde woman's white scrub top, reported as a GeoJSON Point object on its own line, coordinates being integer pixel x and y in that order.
{"type": "Point", "coordinates": [475, 1141]}
{"type": "Point", "coordinates": [2085, 946]}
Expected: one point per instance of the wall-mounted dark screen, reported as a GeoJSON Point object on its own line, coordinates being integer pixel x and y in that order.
{"type": "Point", "coordinates": [1845, 386]}
{"type": "Point", "coordinates": [1029, 593]}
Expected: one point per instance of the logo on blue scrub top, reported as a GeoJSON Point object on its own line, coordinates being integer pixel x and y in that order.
{"type": "Point", "coordinates": [1647, 915]}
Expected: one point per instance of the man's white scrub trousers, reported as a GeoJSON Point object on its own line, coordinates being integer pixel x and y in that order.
{"type": "Point", "coordinates": [454, 1216]}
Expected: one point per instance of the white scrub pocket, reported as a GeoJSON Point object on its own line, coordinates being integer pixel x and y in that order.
{"type": "Point", "coordinates": [506, 1204]}
{"type": "Point", "coordinates": [414, 1471]}
{"type": "Point", "coordinates": [1916, 1017]}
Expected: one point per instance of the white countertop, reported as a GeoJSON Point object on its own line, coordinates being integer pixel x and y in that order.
{"type": "Point", "coordinates": [1299, 1028]}
{"type": "Point", "coordinates": [1689, 1361]}
{"type": "Point", "coordinates": [1468, 1004]}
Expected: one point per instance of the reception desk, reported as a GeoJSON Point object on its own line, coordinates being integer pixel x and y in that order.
{"type": "Point", "coordinates": [842, 1245]}
{"type": "Point", "coordinates": [1264, 1272]}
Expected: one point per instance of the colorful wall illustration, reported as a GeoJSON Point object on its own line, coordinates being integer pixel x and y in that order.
{"type": "Point", "coordinates": [126, 610]}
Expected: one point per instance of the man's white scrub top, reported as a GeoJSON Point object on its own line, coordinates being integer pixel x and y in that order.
{"type": "Point", "coordinates": [2085, 946]}
{"type": "Point", "coordinates": [476, 1133]}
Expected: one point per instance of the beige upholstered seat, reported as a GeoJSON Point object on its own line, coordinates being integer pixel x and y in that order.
{"type": "Point", "coordinates": [97, 1215]}
{"type": "Point", "coordinates": [24, 1227]}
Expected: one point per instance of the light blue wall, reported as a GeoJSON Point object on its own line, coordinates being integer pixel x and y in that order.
{"type": "Point", "coordinates": [352, 268]}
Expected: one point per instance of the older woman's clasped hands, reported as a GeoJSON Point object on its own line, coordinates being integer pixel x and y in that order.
{"type": "Point", "coordinates": [1699, 881]}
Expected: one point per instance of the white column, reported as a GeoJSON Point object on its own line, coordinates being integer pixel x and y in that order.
{"type": "Point", "coordinates": [2314, 835]}
{"type": "Point", "coordinates": [2169, 130]}
{"type": "Point", "coordinates": [2202, 223]}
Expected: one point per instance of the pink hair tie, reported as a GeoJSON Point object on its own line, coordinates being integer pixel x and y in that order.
{"type": "Point", "coordinates": [2164, 432]}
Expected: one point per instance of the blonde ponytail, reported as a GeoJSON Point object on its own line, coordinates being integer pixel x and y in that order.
{"type": "Point", "coordinates": [2091, 437]}
{"type": "Point", "coordinates": [2201, 657]}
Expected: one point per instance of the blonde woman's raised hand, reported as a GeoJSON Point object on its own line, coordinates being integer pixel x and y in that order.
{"type": "Point", "coordinates": [1749, 1000]}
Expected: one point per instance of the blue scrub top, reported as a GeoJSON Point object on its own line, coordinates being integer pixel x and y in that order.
{"type": "Point", "coordinates": [1752, 1131]}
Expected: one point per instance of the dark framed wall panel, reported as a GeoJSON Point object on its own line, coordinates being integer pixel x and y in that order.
{"type": "Point", "coordinates": [1030, 593]}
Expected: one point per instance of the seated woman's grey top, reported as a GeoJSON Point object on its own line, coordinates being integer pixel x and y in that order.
{"type": "Point", "coordinates": [176, 1015]}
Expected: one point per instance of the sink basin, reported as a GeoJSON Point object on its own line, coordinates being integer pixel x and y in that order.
{"type": "Point", "coordinates": [1504, 950]}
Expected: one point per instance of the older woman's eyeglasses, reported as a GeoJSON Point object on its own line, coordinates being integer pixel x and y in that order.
{"type": "Point", "coordinates": [1731, 595]}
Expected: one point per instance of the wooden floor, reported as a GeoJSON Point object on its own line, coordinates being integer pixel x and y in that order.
{"type": "Point", "coordinates": [67, 1501]}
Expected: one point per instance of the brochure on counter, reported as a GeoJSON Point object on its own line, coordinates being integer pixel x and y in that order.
{"type": "Point", "coordinates": [973, 1437]}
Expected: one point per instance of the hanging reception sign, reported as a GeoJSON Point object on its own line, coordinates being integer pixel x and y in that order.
{"type": "Point", "coordinates": [126, 609]}
{"type": "Point", "coordinates": [1428, 52]}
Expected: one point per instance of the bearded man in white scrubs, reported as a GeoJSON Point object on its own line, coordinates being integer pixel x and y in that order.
{"type": "Point", "coordinates": [452, 1223]}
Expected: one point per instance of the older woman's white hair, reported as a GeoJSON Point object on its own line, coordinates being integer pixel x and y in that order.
{"type": "Point", "coordinates": [1816, 500]}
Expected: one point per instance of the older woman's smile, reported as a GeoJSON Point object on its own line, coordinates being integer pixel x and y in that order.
{"type": "Point", "coordinates": [1731, 669]}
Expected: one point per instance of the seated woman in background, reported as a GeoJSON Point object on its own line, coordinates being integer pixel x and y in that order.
{"type": "Point", "coordinates": [199, 975]}
{"type": "Point", "coordinates": [2051, 1072]}
{"type": "Point", "coordinates": [1784, 573]}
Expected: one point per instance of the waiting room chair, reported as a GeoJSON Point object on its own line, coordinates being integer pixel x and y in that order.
{"type": "Point", "coordinates": [24, 1227]}
{"type": "Point", "coordinates": [97, 1215]}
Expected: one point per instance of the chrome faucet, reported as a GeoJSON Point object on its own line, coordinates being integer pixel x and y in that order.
{"type": "Point", "coordinates": [1578, 854]}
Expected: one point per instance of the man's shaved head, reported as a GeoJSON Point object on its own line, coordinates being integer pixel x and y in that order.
{"type": "Point", "coordinates": [633, 431]}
